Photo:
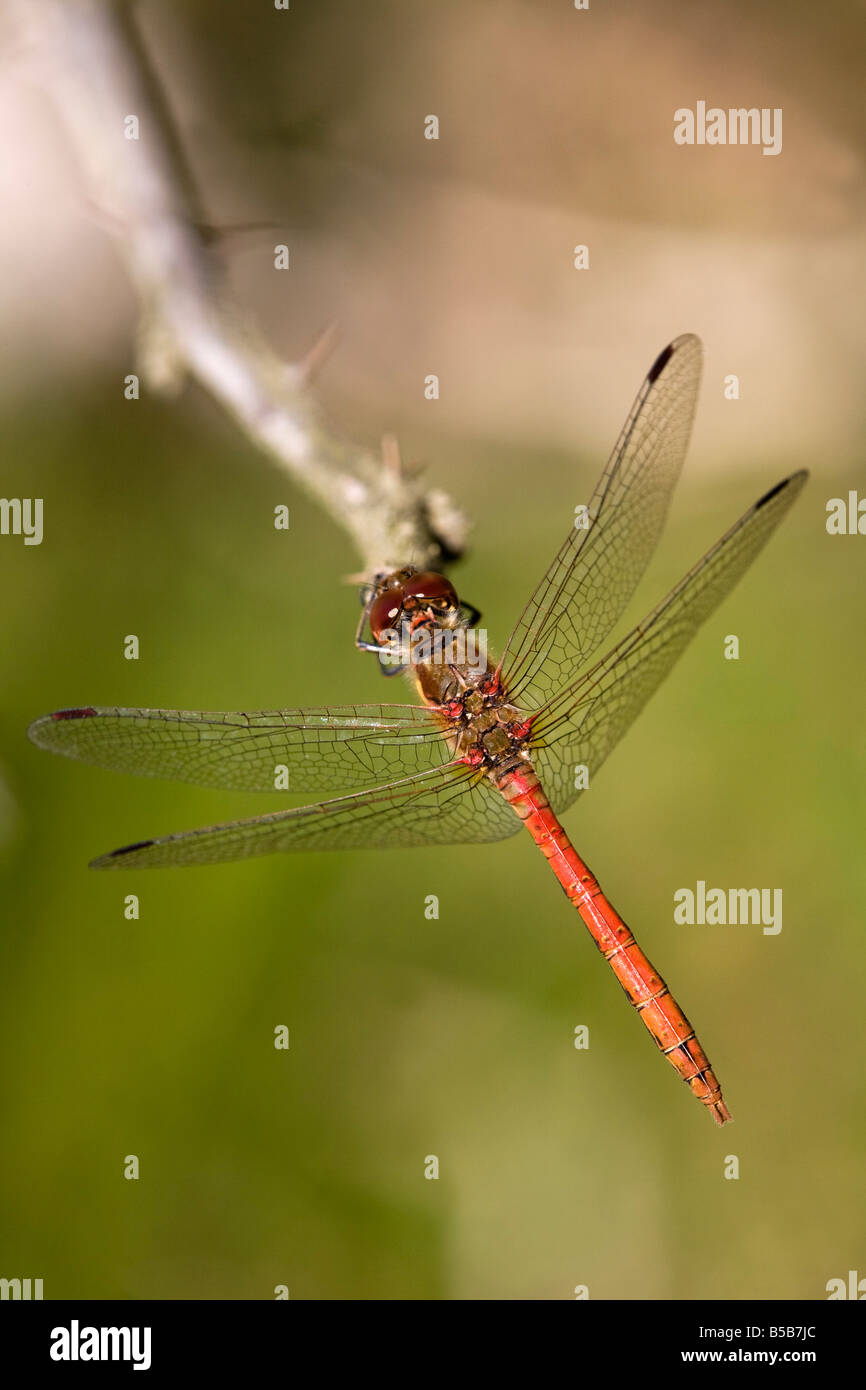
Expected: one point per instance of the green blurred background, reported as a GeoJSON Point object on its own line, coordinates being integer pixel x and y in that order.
{"type": "Point", "coordinates": [453, 1037]}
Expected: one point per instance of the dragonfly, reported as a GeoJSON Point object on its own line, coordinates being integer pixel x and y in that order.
{"type": "Point", "coordinates": [490, 748]}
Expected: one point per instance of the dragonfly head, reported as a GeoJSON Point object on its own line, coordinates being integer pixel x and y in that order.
{"type": "Point", "coordinates": [410, 596]}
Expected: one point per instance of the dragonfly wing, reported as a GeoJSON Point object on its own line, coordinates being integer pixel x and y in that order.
{"type": "Point", "coordinates": [323, 749]}
{"type": "Point", "coordinates": [594, 574]}
{"type": "Point", "coordinates": [453, 804]}
{"type": "Point", "coordinates": [583, 724]}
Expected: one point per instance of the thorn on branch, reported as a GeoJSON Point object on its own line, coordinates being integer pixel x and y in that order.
{"type": "Point", "coordinates": [391, 455]}
{"type": "Point", "coordinates": [309, 367]}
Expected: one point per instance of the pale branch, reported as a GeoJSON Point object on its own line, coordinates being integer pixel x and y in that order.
{"type": "Point", "coordinates": [91, 58]}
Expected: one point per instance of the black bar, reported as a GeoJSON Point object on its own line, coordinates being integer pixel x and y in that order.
{"type": "Point", "coordinates": [225, 1337]}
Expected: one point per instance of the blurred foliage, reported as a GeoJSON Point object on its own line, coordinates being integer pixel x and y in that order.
{"type": "Point", "coordinates": [412, 1037]}
{"type": "Point", "coordinates": [409, 1036]}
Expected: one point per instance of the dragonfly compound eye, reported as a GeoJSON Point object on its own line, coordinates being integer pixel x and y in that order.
{"type": "Point", "coordinates": [432, 588]}
{"type": "Point", "coordinates": [412, 592]}
{"type": "Point", "coordinates": [385, 612]}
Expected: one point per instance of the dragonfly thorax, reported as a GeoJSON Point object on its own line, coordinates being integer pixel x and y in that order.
{"type": "Point", "coordinates": [486, 730]}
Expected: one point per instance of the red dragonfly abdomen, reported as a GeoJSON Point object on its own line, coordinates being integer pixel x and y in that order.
{"type": "Point", "coordinates": [644, 987]}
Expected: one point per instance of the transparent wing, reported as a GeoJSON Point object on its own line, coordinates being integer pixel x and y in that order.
{"type": "Point", "coordinates": [583, 724]}
{"type": "Point", "coordinates": [594, 574]}
{"type": "Point", "coordinates": [451, 805]}
{"type": "Point", "coordinates": [324, 749]}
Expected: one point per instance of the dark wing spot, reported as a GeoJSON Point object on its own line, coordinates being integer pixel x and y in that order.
{"type": "Point", "coordinates": [127, 849]}
{"type": "Point", "coordinates": [660, 363]}
{"type": "Point", "coordinates": [774, 491]}
{"type": "Point", "coordinates": [74, 713]}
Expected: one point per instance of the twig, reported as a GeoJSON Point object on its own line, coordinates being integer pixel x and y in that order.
{"type": "Point", "coordinates": [92, 60]}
